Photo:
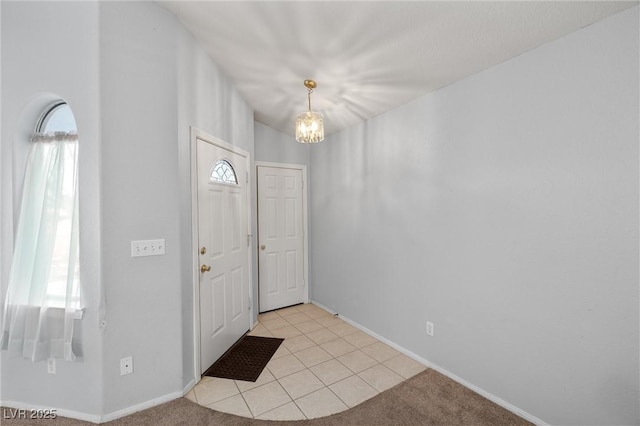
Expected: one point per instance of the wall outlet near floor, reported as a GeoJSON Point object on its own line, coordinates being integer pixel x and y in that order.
{"type": "Point", "coordinates": [429, 328]}
{"type": "Point", "coordinates": [51, 366]}
{"type": "Point", "coordinates": [126, 366]}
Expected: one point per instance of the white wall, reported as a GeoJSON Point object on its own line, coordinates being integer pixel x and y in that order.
{"type": "Point", "coordinates": [207, 101]}
{"type": "Point", "coordinates": [503, 208]}
{"type": "Point", "coordinates": [51, 49]}
{"type": "Point", "coordinates": [136, 80]}
{"type": "Point", "coordinates": [276, 147]}
{"type": "Point", "coordinates": [156, 83]}
{"type": "Point", "coordinates": [6, 223]}
{"type": "Point", "coordinates": [140, 193]}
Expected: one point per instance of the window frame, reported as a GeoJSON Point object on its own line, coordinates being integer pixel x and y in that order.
{"type": "Point", "coordinates": [216, 180]}
{"type": "Point", "coordinates": [48, 112]}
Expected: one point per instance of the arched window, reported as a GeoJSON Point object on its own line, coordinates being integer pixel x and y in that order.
{"type": "Point", "coordinates": [57, 118]}
{"type": "Point", "coordinates": [44, 285]}
{"type": "Point", "coordinates": [223, 172]}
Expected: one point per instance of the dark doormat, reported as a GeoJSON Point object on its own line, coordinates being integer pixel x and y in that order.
{"type": "Point", "coordinates": [246, 359]}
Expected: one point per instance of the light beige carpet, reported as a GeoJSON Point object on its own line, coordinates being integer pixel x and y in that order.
{"type": "Point", "coordinates": [426, 399]}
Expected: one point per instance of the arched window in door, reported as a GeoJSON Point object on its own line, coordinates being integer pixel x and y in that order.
{"type": "Point", "coordinates": [223, 172]}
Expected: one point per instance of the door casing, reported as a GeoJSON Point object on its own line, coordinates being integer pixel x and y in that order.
{"type": "Point", "coordinates": [196, 134]}
{"type": "Point", "coordinates": [305, 222]}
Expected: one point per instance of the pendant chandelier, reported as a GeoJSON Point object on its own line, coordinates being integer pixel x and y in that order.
{"type": "Point", "coordinates": [309, 124]}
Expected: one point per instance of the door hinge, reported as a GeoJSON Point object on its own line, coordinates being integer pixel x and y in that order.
{"type": "Point", "coordinates": [247, 175]}
{"type": "Point", "coordinates": [249, 304]}
{"type": "Point", "coordinates": [249, 239]}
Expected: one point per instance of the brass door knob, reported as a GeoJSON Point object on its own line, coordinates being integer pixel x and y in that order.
{"type": "Point", "coordinates": [262, 247]}
{"type": "Point", "coordinates": [205, 268]}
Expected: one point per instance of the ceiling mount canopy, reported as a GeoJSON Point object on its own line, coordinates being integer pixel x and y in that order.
{"type": "Point", "coordinates": [309, 124]}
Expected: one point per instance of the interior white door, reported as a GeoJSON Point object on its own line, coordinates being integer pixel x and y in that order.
{"type": "Point", "coordinates": [280, 237]}
{"type": "Point", "coordinates": [224, 255]}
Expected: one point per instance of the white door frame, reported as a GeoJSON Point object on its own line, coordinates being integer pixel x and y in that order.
{"type": "Point", "coordinates": [305, 222]}
{"type": "Point", "coordinates": [196, 134]}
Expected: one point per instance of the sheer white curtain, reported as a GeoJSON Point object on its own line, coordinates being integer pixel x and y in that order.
{"type": "Point", "coordinates": [43, 291]}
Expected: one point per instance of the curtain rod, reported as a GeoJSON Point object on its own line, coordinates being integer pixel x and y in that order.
{"type": "Point", "coordinates": [53, 137]}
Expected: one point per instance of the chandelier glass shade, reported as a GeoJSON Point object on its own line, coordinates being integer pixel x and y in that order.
{"type": "Point", "coordinates": [309, 124]}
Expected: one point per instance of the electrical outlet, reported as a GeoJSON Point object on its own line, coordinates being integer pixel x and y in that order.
{"type": "Point", "coordinates": [429, 329]}
{"type": "Point", "coordinates": [147, 248]}
{"type": "Point", "coordinates": [126, 366]}
{"type": "Point", "coordinates": [51, 366]}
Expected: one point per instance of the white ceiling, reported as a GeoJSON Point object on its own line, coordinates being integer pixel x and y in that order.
{"type": "Point", "coordinates": [368, 57]}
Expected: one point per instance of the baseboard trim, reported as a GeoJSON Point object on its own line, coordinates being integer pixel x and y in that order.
{"type": "Point", "coordinates": [189, 386]}
{"type": "Point", "coordinates": [504, 404]}
{"type": "Point", "coordinates": [96, 418]}
{"type": "Point", "coordinates": [142, 406]}
{"type": "Point", "coordinates": [60, 412]}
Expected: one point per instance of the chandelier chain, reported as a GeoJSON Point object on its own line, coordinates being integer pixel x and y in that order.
{"type": "Point", "coordinates": [309, 124]}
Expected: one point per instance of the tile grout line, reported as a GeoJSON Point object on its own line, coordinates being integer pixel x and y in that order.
{"type": "Point", "coordinates": [294, 311]}
{"type": "Point", "coordinates": [329, 389]}
{"type": "Point", "coordinates": [292, 400]}
{"type": "Point", "coordinates": [324, 386]}
{"type": "Point", "coordinates": [282, 405]}
{"type": "Point", "coordinates": [303, 413]}
{"type": "Point", "coordinates": [349, 369]}
{"type": "Point", "coordinates": [338, 396]}
{"type": "Point", "coordinates": [283, 388]}
{"type": "Point", "coordinates": [245, 400]}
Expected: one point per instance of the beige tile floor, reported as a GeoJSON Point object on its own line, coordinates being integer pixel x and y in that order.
{"type": "Point", "coordinates": [324, 366]}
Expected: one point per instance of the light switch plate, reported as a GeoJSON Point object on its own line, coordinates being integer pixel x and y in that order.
{"type": "Point", "coordinates": [51, 366]}
{"type": "Point", "coordinates": [147, 248]}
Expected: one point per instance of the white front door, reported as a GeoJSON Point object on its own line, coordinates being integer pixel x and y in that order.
{"type": "Point", "coordinates": [223, 248]}
{"type": "Point", "coordinates": [281, 244]}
